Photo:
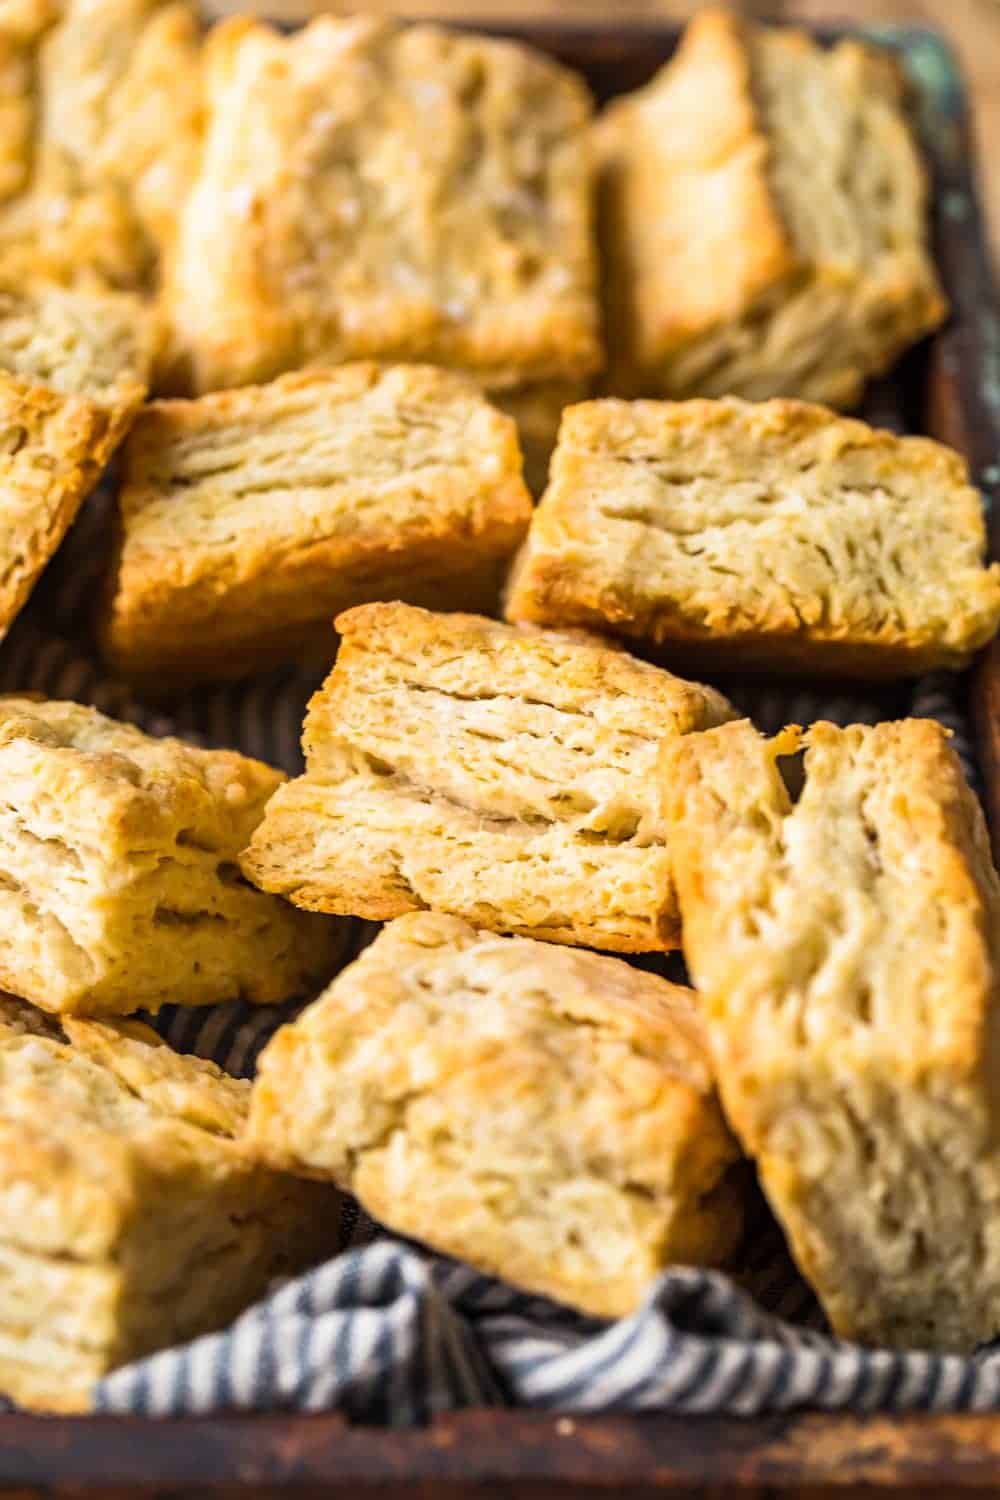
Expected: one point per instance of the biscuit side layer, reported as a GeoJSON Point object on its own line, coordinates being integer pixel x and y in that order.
{"type": "Point", "coordinates": [500, 774]}
{"type": "Point", "coordinates": [792, 169]}
{"type": "Point", "coordinates": [251, 518]}
{"type": "Point", "coordinates": [776, 533]}
{"type": "Point", "coordinates": [848, 186]}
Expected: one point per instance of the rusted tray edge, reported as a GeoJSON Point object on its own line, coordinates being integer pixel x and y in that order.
{"type": "Point", "coordinates": [472, 1452]}
{"type": "Point", "coordinates": [963, 387]}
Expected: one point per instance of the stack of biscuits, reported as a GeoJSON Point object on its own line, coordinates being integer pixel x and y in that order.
{"type": "Point", "coordinates": [388, 284]}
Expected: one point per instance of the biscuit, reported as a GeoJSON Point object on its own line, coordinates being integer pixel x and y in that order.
{"type": "Point", "coordinates": [504, 775]}
{"type": "Point", "coordinates": [250, 518]}
{"type": "Point", "coordinates": [131, 1217]}
{"type": "Point", "coordinates": [764, 220]}
{"type": "Point", "coordinates": [777, 536]}
{"type": "Point", "coordinates": [119, 888]}
{"type": "Point", "coordinates": [546, 1114]}
{"type": "Point", "coordinates": [368, 190]}
{"type": "Point", "coordinates": [52, 450]}
{"type": "Point", "coordinates": [845, 948]}
{"type": "Point", "coordinates": [105, 109]}
{"type": "Point", "coordinates": [80, 341]}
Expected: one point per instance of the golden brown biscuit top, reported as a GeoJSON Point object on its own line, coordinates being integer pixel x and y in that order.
{"type": "Point", "coordinates": [101, 103]}
{"type": "Point", "coordinates": [377, 190]}
{"type": "Point", "coordinates": [135, 785]}
{"type": "Point", "coordinates": [523, 986]}
{"type": "Point", "coordinates": [180, 1087]}
{"type": "Point", "coordinates": [93, 1118]}
{"type": "Point", "coordinates": [34, 419]}
{"type": "Point", "coordinates": [531, 1030]}
{"type": "Point", "coordinates": [472, 656]}
{"type": "Point", "coordinates": [661, 429]}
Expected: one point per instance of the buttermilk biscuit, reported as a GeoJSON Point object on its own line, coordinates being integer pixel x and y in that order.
{"type": "Point", "coordinates": [845, 947]}
{"type": "Point", "coordinates": [131, 1217]}
{"type": "Point", "coordinates": [250, 518]}
{"type": "Point", "coordinates": [105, 111]}
{"type": "Point", "coordinates": [119, 887]}
{"type": "Point", "coordinates": [764, 219]}
{"type": "Point", "coordinates": [80, 341]}
{"type": "Point", "coordinates": [370, 190]}
{"type": "Point", "coordinates": [548, 1115]}
{"type": "Point", "coordinates": [505, 775]}
{"type": "Point", "coordinates": [777, 536]}
{"type": "Point", "coordinates": [52, 450]}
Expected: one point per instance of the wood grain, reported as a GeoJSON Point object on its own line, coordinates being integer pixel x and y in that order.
{"type": "Point", "coordinates": [971, 26]}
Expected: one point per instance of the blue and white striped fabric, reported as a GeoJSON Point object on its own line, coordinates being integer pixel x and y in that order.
{"type": "Point", "coordinates": [387, 1333]}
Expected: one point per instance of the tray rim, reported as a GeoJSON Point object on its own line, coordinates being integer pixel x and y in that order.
{"type": "Point", "coordinates": [472, 1453]}
{"type": "Point", "coordinates": [476, 1451]}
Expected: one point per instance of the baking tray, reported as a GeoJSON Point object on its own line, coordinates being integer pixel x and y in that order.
{"type": "Point", "coordinates": [951, 389]}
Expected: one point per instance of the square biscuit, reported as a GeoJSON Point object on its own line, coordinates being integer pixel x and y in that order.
{"type": "Point", "coordinates": [119, 888]}
{"type": "Point", "coordinates": [53, 447]}
{"type": "Point", "coordinates": [132, 1217]}
{"type": "Point", "coordinates": [503, 775]}
{"type": "Point", "coordinates": [368, 190]}
{"type": "Point", "coordinates": [845, 946]}
{"type": "Point", "coordinates": [250, 518]}
{"type": "Point", "coordinates": [764, 220]}
{"type": "Point", "coordinates": [775, 536]}
{"type": "Point", "coordinates": [104, 109]}
{"type": "Point", "coordinates": [547, 1114]}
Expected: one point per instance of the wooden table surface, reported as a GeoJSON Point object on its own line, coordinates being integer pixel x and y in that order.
{"type": "Point", "coordinates": [973, 27]}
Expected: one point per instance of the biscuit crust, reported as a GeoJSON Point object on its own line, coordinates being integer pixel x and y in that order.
{"type": "Point", "coordinates": [845, 949]}
{"type": "Point", "coordinates": [764, 220]}
{"type": "Point", "coordinates": [119, 888]}
{"type": "Point", "coordinates": [250, 518]}
{"type": "Point", "coordinates": [52, 450]}
{"type": "Point", "coordinates": [501, 774]}
{"type": "Point", "coordinates": [546, 1114]}
{"type": "Point", "coordinates": [776, 535]}
{"type": "Point", "coordinates": [105, 103]}
{"type": "Point", "coordinates": [374, 191]}
{"type": "Point", "coordinates": [131, 1215]}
